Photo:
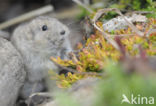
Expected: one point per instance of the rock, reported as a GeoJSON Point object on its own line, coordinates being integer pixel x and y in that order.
{"type": "Point", "coordinates": [83, 91]}
{"type": "Point", "coordinates": [51, 103]}
{"type": "Point", "coordinates": [120, 23]}
{"type": "Point", "coordinates": [37, 99]}
{"type": "Point", "coordinates": [12, 74]}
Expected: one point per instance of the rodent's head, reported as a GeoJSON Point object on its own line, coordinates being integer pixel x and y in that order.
{"type": "Point", "coordinates": [42, 33]}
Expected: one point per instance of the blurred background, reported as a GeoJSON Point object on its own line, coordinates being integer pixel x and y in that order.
{"type": "Point", "coordinates": [69, 12]}
{"type": "Point", "coordinates": [64, 10]}
{"type": "Point", "coordinates": [12, 8]}
{"type": "Point", "coordinates": [67, 8]}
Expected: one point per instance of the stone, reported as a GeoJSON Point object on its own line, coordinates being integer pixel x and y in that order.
{"type": "Point", "coordinates": [83, 91]}
{"type": "Point", "coordinates": [120, 23]}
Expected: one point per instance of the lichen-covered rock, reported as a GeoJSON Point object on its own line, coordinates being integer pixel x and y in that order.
{"type": "Point", "coordinates": [120, 23]}
{"type": "Point", "coordinates": [12, 74]}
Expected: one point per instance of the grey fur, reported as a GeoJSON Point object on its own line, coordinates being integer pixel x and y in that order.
{"type": "Point", "coordinates": [4, 34]}
{"type": "Point", "coordinates": [37, 46]}
{"type": "Point", "coordinates": [12, 74]}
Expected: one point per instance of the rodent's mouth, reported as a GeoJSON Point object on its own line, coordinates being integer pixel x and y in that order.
{"type": "Point", "coordinates": [57, 42]}
{"type": "Point", "coordinates": [62, 39]}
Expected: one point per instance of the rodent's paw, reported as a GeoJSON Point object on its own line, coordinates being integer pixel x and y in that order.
{"type": "Point", "coordinates": [66, 49]}
{"type": "Point", "coordinates": [65, 53]}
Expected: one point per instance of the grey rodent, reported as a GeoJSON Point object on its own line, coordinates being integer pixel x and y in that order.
{"type": "Point", "coordinates": [37, 41]}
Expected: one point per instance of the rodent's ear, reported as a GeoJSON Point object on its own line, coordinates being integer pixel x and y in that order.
{"type": "Point", "coordinates": [23, 32]}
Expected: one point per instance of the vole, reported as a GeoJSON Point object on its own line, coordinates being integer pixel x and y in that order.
{"type": "Point", "coordinates": [37, 41]}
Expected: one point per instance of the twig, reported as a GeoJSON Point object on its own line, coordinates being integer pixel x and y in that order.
{"type": "Point", "coordinates": [83, 5]}
{"type": "Point", "coordinates": [26, 16]}
{"type": "Point", "coordinates": [45, 94]}
{"type": "Point", "coordinates": [107, 37]}
{"type": "Point", "coordinates": [97, 16]}
{"type": "Point", "coordinates": [129, 23]}
{"type": "Point", "coordinates": [102, 11]}
{"type": "Point", "coordinates": [41, 94]}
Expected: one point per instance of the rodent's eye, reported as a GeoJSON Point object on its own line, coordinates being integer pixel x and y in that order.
{"type": "Point", "coordinates": [44, 28]}
{"type": "Point", "coordinates": [63, 32]}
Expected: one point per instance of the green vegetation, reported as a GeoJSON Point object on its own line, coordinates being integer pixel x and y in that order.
{"type": "Point", "coordinates": [93, 56]}
{"type": "Point", "coordinates": [110, 90]}
{"type": "Point", "coordinates": [125, 6]}
{"type": "Point", "coordinates": [128, 70]}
